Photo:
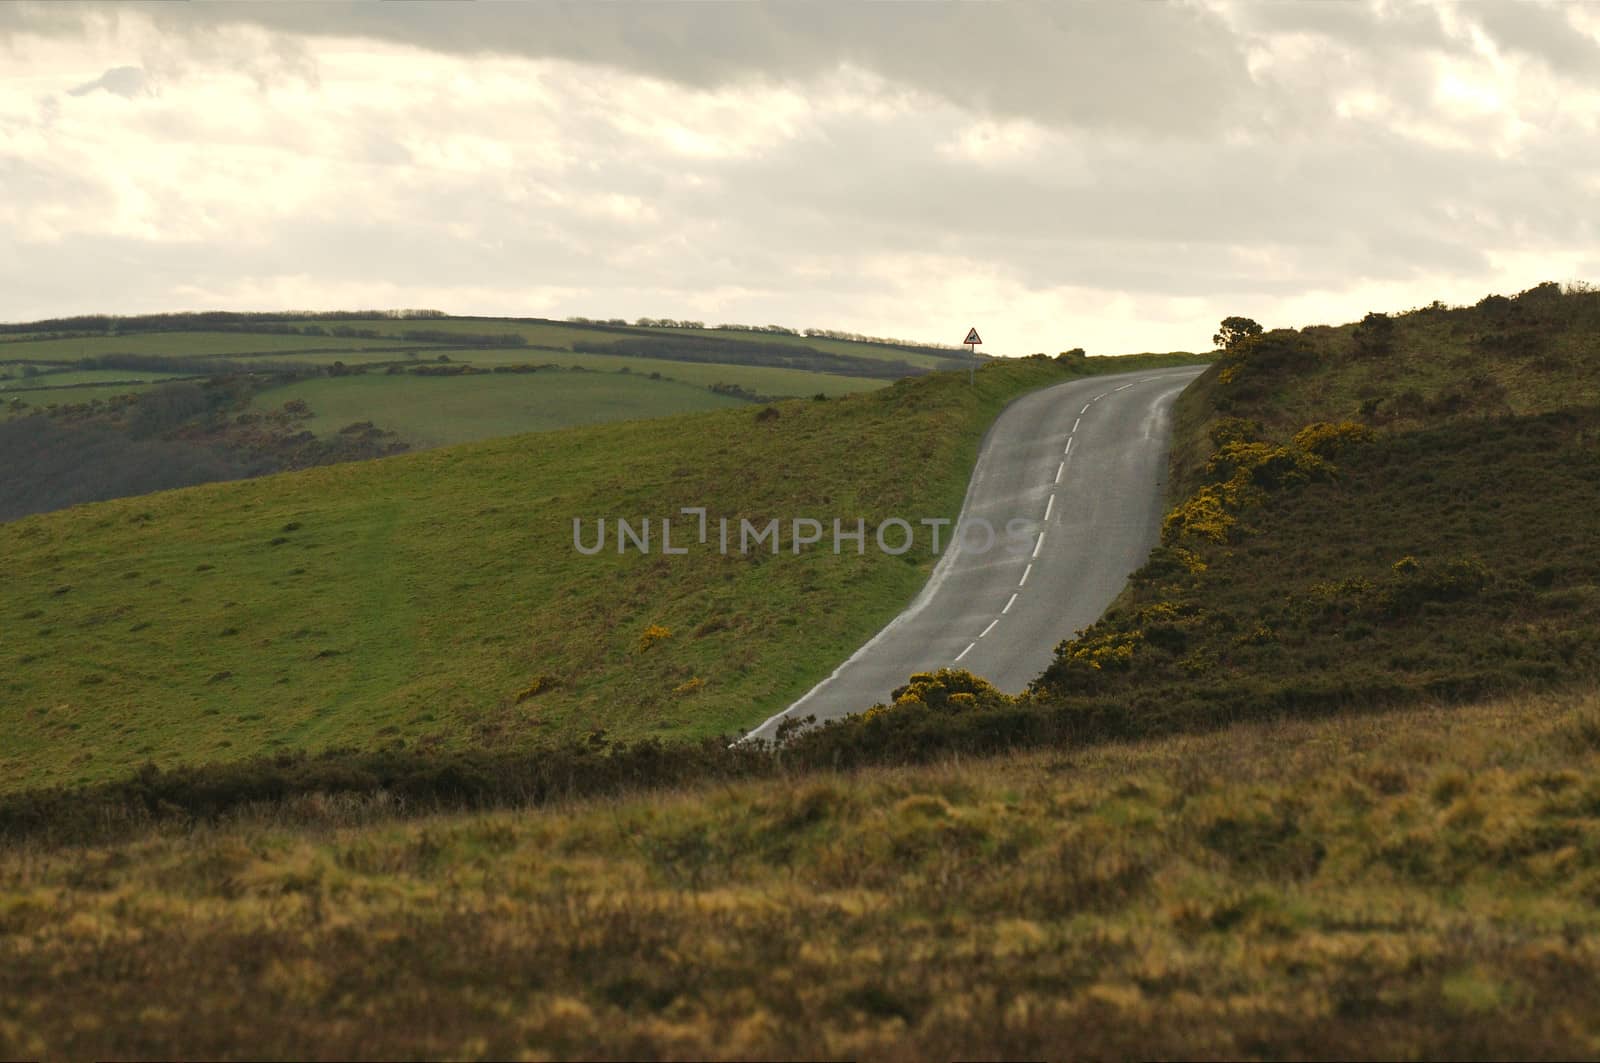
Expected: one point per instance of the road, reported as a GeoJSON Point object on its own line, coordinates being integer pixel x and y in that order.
{"type": "Point", "coordinates": [1081, 468]}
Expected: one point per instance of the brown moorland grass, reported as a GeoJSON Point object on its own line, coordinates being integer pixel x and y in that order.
{"type": "Point", "coordinates": [1417, 884]}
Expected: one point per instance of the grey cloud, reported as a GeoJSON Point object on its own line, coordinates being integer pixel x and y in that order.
{"type": "Point", "coordinates": [1370, 27]}
{"type": "Point", "coordinates": [125, 81]}
{"type": "Point", "coordinates": [1543, 32]}
{"type": "Point", "coordinates": [1167, 68]}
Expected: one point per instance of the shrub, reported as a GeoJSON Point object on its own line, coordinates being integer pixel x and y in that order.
{"type": "Point", "coordinates": [948, 690]}
{"type": "Point", "coordinates": [1240, 465]}
{"type": "Point", "coordinates": [1235, 430]}
{"type": "Point", "coordinates": [1081, 662]}
{"type": "Point", "coordinates": [1202, 515]}
{"type": "Point", "coordinates": [1416, 584]}
{"type": "Point", "coordinates": [1375, 335]}
{"type": "Point", "coordinates": [653, 634]}
{"type": "Point", "coordinates": [1325, 439]}
{"type": "Point", "coordinates": [539, 685]}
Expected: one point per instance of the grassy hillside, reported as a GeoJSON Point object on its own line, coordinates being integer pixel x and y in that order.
{"type": "Point", "coordinates": [436, 599]}
{"type": "Point", "coordinates": [1417, 885]}
{"type": "Point", "coordinates": [1378, 514]}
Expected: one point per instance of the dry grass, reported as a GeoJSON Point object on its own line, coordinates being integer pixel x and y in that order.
{"type": "Point", "coordinates": [1417, 884]}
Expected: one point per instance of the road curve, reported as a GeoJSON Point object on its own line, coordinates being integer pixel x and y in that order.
{"type": "Point", "coordinates": [1081, 464]}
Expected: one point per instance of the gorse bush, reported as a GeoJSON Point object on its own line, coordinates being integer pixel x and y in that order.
{"type": "Point", "coordinates": [1226, 430]}
{"type": "Point", "coordinates": [653, 634]}
{"type": "Point", "coordinates": [1326, 440]}
{"type": "Point", "coordinates": [947, 690]}
{"type": "Point", "coordinates": [1243, 467]}
{"type": "Point", "coordinates": [538, 685]}
{"type": "Point", "coordinates": [1203, 515]}
{"type": "Point", "coordinates": [1240, 466]}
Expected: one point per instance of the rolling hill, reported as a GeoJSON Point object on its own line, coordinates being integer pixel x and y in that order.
{"type": "Point", "coordinates": [1320, 784]}
{"type": "Point", "coordinates": [290, 391]}
{"type": "Point", "coordinates": [419, 599]}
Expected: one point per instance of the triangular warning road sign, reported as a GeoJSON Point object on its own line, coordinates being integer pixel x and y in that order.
{"type": "Point", "coordinates": [972, 336]}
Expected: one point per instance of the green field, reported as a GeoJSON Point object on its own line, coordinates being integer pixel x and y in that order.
{"type": "Point", "coordinates": [563, 335]}
{"type": "Point", "coordinates": [415, 598]}
{"type": "Point", "coordinates": [537, 333]}
{"type": "Point", "coordinates": [412, 407]}
{"type": "Point", "coordinates": [182, 345]}
{"type": "Point", "coordinates": [760, 379]}
{"type": "Point", "coordinates": [439, 411]}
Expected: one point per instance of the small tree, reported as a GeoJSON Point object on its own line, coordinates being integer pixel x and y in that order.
{"type": "Point", "coordinates": [1235, 330]}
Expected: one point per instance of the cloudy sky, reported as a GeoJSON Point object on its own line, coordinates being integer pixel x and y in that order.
{"type": "Point", "coordinates": [1113, 176]}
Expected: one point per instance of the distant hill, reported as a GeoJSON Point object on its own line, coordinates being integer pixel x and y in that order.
{"type": "Point", "coordinates": [285, 391]}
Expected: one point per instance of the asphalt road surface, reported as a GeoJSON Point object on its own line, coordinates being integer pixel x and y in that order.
{"type": "Point", "coordinates": [1080, 469]}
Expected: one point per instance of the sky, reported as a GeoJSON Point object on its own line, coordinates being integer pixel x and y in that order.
{"type": "Point", "coordinates": [1117, 177]}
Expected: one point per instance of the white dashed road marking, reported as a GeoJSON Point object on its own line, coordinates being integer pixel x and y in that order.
{"type": "Point", "coordinates": [1049, 509]}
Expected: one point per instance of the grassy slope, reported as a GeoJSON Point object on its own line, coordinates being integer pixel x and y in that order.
{"type": "Point", "coordinates": [1480, 458]}
{"type": "Point", "coordinates": [1410, 885]}
{"type": "Point", "coordinates": [439, 411]}
{"type": "Point", "coordinates": [413, 598]}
